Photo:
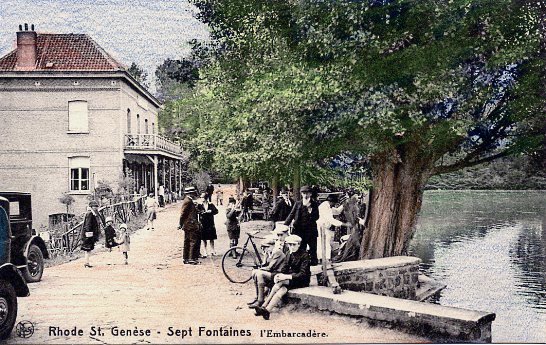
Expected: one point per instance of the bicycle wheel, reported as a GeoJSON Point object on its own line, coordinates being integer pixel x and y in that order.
{"type": "Point", "coordinates": [238, 264]}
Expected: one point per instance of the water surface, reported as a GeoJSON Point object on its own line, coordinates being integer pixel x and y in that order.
{"type": "Point", "coordinates": [489, 247]}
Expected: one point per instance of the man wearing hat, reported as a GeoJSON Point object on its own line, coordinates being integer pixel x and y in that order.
{"type": "Point", "coordinates": [263, 277]}
{"type": "Point", "coordinates": [90, 230]}
{"type": "Point", "coordinates": [190, 224]}
{"type": "Point", "coordinates": [326, 221]}
{"type": "Point", "coordinates": [281, 232]}
{"type": "Point", "coordinates": [233, 210]}
{"type": "Point", "coordinates": [282, 208]}
{"type": "Point", "coordinates": [305, 214]}
{"type": "Point", "coordinates": [294, 273]}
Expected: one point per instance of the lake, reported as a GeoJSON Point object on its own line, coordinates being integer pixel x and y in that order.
{"type": "Point", "coordinates": [489, 247]}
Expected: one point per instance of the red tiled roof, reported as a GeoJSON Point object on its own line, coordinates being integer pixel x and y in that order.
{"type": "Point", "coordinates": [66, 52]}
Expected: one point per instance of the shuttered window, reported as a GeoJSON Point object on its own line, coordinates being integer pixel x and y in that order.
{"type": "Point", "coordinates": [78, 118]}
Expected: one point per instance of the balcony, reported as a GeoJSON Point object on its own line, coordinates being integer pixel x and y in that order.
{"type": "Point", "coordinates": [151, 144]}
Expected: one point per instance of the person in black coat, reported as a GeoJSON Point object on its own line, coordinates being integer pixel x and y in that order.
{"type": "Point", "coordinates": [207, 211]}
{"type": "Point", "coordinates": [282, 208]}
{"type": "Point", "coordinates": [90, 231]}
{"type": "Point", "coordinates": [209, 191]}
{"type": "Point", "coordinates": [233, 211]}
{"type": "Point", "coordinates": [295, 272]}
{"type": "Point", "coordinates": [189, 223]}
{"type": "Point", "coordinates": [305, 214]}
{"type": "Point", "coordinates": [109, 234]}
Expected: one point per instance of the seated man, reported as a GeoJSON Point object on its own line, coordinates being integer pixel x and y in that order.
{"type": "Point", "coordinates": [281, 232]}
{"type": "Point", "coordinates": [263, 277]}
{"type": "Point", "coordinates": [295, 273]}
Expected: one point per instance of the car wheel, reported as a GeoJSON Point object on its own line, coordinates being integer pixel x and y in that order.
{"type": "Point", "coordinates": [8, 308]}
{"type": "Point", "coordinates": [35, 265]}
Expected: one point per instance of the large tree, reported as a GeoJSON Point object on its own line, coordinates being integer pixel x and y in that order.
{"type": "Point", "coordinates": [421, 87]}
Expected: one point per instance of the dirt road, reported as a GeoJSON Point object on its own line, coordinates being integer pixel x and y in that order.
{"type": "Point", "coordinates": [156, 295]}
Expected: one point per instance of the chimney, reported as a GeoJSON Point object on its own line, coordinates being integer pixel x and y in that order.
{"type": "Point", "coordinates": [26, 48]}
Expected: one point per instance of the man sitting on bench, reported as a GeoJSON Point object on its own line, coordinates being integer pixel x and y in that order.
{"type": "Point", "coordinates": [263, 277]}
{"type": "Point", "coordinates": [295, 273]}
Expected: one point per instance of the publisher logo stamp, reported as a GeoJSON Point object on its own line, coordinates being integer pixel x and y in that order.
{"type": "Point", "coordinates": [24, 329]}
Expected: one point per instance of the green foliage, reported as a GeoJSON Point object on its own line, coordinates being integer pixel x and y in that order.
{"type": "Point", "coordinates": [126, 183]}
{"type": "Point", "coordinates": [295, 82]}
{"type": "Point", "coordinates": [103, 190]}
{"type": "Point", "coordinates": [66, 199]}
{"type": "Point", "coordinates": [139, 74]}
{"type": "Point", "coordinates": [200, 180]}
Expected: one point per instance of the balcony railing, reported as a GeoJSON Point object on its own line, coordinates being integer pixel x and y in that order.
{"type": "Point", "coordinates": [151, 142]}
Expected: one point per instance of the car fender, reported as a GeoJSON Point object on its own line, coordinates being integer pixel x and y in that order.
{"type": "Point", "coordinates": [11, 274]}
{"type": "Point", "coordinates": [40, 243]}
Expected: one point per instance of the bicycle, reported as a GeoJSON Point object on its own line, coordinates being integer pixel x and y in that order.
{"type": "Point", "coordinates": [238, 262]}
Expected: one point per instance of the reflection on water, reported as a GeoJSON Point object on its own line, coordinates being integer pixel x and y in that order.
{"type": "Point", "coordinates": [489, 247]}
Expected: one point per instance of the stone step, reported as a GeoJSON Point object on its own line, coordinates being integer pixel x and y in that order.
{"type": "Point", "coordinates": [425, 318]}
{"type": "Point", "coordinates": [428, 288]}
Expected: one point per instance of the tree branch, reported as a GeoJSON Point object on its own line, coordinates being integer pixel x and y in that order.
{"type": "Point", "coordinates": [465, 163]}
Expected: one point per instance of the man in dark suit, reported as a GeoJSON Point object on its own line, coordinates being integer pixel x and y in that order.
{"type": "Point", "coordinates": [282, 208]}
{"type": "Point", "coordinates": [305, 215]}
{"type": "Point", "coordinates": [190, 224]}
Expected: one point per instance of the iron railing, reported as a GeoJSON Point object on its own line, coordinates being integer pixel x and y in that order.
{"type": "Point", "coordinates": [151, 142]}
{"type": "Point", "coordinates": [70, 240]}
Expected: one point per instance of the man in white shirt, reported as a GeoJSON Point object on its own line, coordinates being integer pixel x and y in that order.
{"type": "Point", "coordinates": [161, 195]}
{"type": "Point", "coordinates": [326, 221]}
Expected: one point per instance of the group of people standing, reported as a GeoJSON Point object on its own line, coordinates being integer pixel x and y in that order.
{"type": "Point", "coordinates": [90, 234]}
{"type": "Point", "coordinates": [197, 221]}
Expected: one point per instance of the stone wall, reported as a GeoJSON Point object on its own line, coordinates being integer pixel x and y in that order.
{"type": "Point", "coordinates": [395, 276]}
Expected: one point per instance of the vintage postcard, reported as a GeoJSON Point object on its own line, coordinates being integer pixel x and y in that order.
{"type": "Point", "coordinates": [292, 171]}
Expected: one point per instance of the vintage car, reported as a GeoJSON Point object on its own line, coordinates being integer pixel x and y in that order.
{"type": "Point", "coordinates": [27, 249]}
{"type": "Point", "coordinates": [12, 284]}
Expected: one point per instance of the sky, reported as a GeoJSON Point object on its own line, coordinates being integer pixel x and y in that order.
{"type": "Point", "coordinates": [143, 31]}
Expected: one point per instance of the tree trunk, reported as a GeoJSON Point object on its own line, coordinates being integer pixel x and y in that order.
{"type": "Point", "coordinates": [297, 183]}
{"type": "Point", "coordinates": [275, 188]}
{"type": "Point", "coordinates": [399, 177]}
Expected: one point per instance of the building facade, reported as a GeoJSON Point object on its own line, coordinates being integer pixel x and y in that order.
{"type": "Point", "coordinates": [72, 116]}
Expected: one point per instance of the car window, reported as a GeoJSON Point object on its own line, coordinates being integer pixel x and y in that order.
{"type": "Point", "coordinates": [14, 209]}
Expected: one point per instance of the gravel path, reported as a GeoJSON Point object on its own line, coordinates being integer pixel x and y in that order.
{"type": "Point", "coordinates": [156, 293]}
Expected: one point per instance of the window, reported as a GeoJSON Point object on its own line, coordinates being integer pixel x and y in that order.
{"type": "Point", "coordinates": [146, 131]}
{"type": "Point", "coordinates": [78, 116]}
{"type": "Point", "coordinates": [128, 121]}
{"type": "Point", "coordinates": [138, 123]}
{"type": "Point", "coordinates": [14, 209]}
{"type": "Point", "coordinates": [153, 128]}
{"type": "Point", "coordinates": [79, 173]}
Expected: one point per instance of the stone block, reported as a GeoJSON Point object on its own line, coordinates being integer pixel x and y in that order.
{"type": "Point", "coordinates": [390, 283]}
{"type": "Point", "coordinates": [451, 324]}
{"type": "Point", "coordinates": [392, 272]}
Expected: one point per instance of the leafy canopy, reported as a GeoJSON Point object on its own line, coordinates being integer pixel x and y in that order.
{"type": "Point", "coordinates": [294, 82]}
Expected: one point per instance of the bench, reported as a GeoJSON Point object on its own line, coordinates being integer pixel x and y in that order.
{"type": "Point", "coordinates": [429, 319]}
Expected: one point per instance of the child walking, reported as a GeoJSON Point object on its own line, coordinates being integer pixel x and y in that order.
{"type": "Point", "coordinates": [124, 241]}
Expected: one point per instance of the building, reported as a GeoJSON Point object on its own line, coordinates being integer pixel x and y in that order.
{"type": "Point", "coordinates": [71, 116]}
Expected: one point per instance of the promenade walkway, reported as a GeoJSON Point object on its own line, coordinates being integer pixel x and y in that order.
{"type": "Point", "coordinates": [156, 292]}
